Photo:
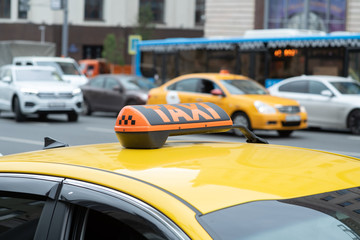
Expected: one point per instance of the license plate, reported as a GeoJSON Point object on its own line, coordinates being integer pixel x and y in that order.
{"type": "Point", "coordinates": [57, 104]}
{"type": "Point", "coordinates": [292, 118]}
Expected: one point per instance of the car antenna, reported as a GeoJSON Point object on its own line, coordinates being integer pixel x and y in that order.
{"type": "Point", "coordinates": [249, 135]}
{"type": "Point", "coordinates": [52, 143]}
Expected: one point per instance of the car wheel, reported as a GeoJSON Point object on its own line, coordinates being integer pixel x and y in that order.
{"type": "Point", "coordinates": [72, 117]}
{"type": "Point", "coordinates": [86, 110]}
{"type": "Point", "coordinates": [19, 116]}
{"type": "Point", "coordinates": [285, 133]}
{"type": "Point", "coordinates": [354, 122]}
{"type": "Point", "coordinates": [240, 118]}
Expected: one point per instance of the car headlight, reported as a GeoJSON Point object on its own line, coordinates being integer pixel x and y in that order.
{"type": "Point", "coordinates": [264, 108]}
{"type": "Point", "coordinates": [76, 91]}
{"type": "Point", "coordinates": [29, 91]}
{"type": "Point", "coordinates": [302, 109]}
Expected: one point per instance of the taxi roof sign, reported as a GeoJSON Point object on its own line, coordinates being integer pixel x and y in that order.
{"type": "Point", "coordinates": [148, 126]}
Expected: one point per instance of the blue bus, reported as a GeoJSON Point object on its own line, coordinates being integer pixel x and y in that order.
{"type": "Point", "coordinates": [264, 55]}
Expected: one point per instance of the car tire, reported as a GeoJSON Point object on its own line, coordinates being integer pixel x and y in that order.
{"type": "Point", "coordinates": [86, 108]}
{"type": "Point", "coordinates": [354, 122]}
{"type": "Point", "coordinates": [19, 116]}
{"type": "Point", "coordinates": [285, 133]}
{"type": "Point", "coordinates": [72, 117]}
{"type": "Point", "coordinates": [242, 119]}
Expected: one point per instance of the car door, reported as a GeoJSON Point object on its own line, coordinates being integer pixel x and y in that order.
{"type": "Point", "coordinates": [114, 95]}
{"type": "Point", "coordinates": [299, 91]}
{"type": "Point", "coordinates": [183, 91]}
{"type": "Point", "coordinates": [27, 204]}
{"type": "Point", "coordinates": [87, 211]}
{"type": "Point", "coordinates": [324, 108]}
{"type": "Point", "coordinates": [94, 92]}
{"type": "Point", "coordinates": [6, 89]}
{"type": "Point", "coordinates": [205, 87]}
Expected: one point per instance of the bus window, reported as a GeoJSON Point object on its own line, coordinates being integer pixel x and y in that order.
{"type": "Point", "coordinates": [286, 62]}
{"type": "Point", "coordinates": [325, 61]}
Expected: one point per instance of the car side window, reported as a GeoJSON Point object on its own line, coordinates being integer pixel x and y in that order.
{"type": "Point", "coordinates": [97, 82]}
{"type": "Point", "coordinates": [187, 85]}
{"type": "Point", "coordinates": [295, 86]}
{"type": "Point", "coordinates": [206, 86]}
{"type": "Point", "coordinates": [316, 87]}
{"type": "Point", "coordinates": [20, 214]}
{"type": "Point", "coordinates": [100, 213]}
{"type": "Point", "coordinates": [26, 205]}
{"type": "Point", "coordinates": [110, 83]}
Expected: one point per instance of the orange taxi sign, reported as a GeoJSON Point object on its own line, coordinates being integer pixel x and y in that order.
{"type": "Point", "coordinates": [148, 126]}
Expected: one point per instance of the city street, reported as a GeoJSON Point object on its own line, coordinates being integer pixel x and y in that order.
{"type": "Point", "coordinates": [28, 136]}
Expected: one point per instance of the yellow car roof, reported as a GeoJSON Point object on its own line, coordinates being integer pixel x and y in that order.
{"type": "Point", "coordinates": [204, 176]}
{"type": "Point", "coordinates": [214, 76]}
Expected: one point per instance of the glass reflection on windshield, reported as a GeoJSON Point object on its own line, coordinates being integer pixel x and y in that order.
{"type": "Point", "coordinates": [347, 87]}
{"type": "Point", "coordinates": [239, 87]}
{"type": "Point", "coordinates": [334, 215]}
{"type": "Point", "coordinates": [137, 84]}
{"type": "Point", "coordinates": [36, 75]}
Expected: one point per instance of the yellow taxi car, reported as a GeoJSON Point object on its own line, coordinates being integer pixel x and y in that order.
{"type": "Point", "coordinates": [147, 188]}
{"type": "Point", "coordinates": [245, 100]}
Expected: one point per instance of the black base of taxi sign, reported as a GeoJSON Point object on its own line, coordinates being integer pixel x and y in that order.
{"type": "Point", "coordinates": [148, 126]}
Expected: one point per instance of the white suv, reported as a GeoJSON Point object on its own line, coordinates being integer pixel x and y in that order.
{"type": "Point", "coordinates": [37, 89]}
{"type": "Point", "coordinates": [66, 67]}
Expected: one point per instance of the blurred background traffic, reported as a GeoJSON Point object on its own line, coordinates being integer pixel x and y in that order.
{"type": "Point", "coordinates": [110, 53]}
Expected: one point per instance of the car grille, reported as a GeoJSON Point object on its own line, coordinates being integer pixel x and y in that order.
{"type": "Point", "coordinates": [289, 109]}
{"type": "Point", "coordinates": [65, 95]}
{"type": "Point", "coordinates": [291, 124]}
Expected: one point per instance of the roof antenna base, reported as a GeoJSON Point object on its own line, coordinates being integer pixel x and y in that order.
{"type": "Point", "coordinates": [50, 143]}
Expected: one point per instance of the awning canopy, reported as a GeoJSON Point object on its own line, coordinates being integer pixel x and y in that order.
{"type": "Point", "coordinates": [180, 44]}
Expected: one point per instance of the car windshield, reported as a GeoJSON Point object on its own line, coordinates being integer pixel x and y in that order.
{"type": "Point", "coordinates": [240, 87]}
{"type": "Point", "coordinates": [64, 68]}
{"type": "Point", "coordinates": [137, 84]}
{"type": "Point", "coordinates": [36, 75]}
{"type": "Point", "coordinates": [347, 87]}
{"type": "Point", "coordinates": [325, 216]}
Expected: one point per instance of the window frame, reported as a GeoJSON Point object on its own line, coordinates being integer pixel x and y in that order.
{"type": "Point", "coordinates": [152, 3]}
{"type": "Point", "coordinates": [28, 184]}
{"type": "Point", "coordinates": [75, 193]}
{"type": "Point", "coordinates": [5, 7]}
{"type": "Point", "coordinates": [100, 11]}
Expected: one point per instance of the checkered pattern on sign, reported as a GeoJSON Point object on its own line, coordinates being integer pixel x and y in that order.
{"type": "Point", "coordinates": [126, 120]}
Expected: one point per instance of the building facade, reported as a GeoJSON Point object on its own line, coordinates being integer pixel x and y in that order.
{"type": "Point", "coordinates": [231, 18]}
{"type": "Point", "coordinates": [89, 22]}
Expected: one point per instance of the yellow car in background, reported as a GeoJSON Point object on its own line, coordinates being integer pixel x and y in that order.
{"type": "Point", "coordinates": [183, 190]}
{"type": "Point", "coordinates": [246, 101]}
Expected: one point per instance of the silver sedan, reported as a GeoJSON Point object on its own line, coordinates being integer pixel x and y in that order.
{"type": "Point", "coordinates": [331, 102]}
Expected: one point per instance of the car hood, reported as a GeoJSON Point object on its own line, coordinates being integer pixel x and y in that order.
{"type": "Point", "coordinates": [47, 86]}
{"type": "Point", "coordinates": [353, 99]}
{"type": "Point", "coordinates": [268, 99]}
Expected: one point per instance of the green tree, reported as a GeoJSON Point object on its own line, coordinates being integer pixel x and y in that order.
{"type": "Point", "coordinates": [145, 21]}
{"type": "Point", "coordinates": [113, 50]}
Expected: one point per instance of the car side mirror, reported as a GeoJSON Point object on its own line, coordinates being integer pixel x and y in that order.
{"type": "Point", "coordinates": [217, 92]}
{"type": "Point", "coordinates": [6, 79]}
{"type": "Point", "coordinates": [327, 93]}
